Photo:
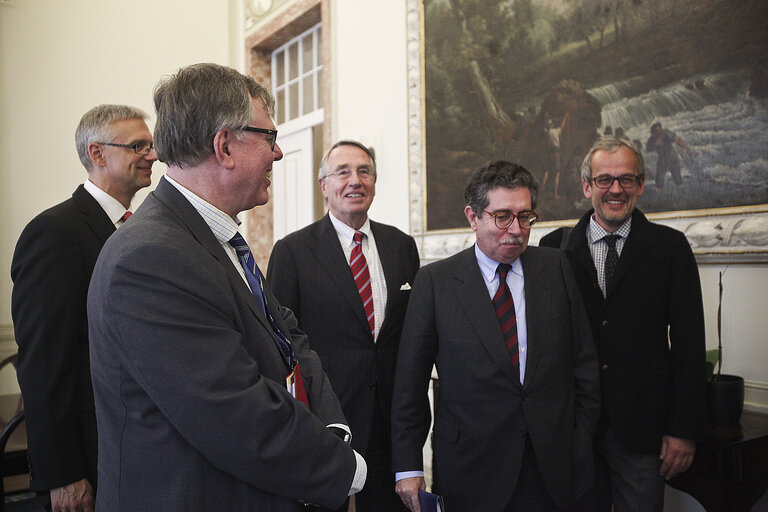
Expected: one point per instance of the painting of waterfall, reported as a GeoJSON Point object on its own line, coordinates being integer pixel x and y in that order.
{"type": "Point", "coordinates": [535, 81]}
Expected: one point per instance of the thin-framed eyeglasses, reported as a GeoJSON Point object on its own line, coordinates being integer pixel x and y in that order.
{"type": "Point", "coordinates": [364, 173]}
{"type": "Point", "coordinates": [271, 140]}
{"type": "Point", "coordinates": [504, 219]}
{"type": "Point", "coordinates": [626, 181]}
{"type": "Point", "coordinates": [140, 148]}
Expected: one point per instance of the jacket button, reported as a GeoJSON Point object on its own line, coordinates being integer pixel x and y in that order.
{"type": "Point", "coordinates": [604, 323]}
{"type": "Point", "coordinates": [604, 367]}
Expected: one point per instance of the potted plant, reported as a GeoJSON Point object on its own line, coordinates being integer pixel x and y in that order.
{"type": "Point", "coordinates": [725, 393]}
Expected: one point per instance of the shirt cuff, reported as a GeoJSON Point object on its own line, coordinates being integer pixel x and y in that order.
{"type": "Point", "coordinates": [361, 472]}
{"type": "Point", "coordinates": [408, 474]}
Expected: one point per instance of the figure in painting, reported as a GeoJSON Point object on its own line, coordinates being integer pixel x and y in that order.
{"type": "Point", "coordinates": [662, 141]}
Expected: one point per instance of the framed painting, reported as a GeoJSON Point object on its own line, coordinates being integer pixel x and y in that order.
{"type": "Point", "coordinates": [536, 81]}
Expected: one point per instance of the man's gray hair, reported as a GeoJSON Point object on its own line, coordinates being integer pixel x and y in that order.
{"type": "Point", "coordinates": [611, 144]}
{"type": "Point", "coordinates": [497, 174]}
{"type": "Point", "coordinates": [96, 126]}
{"type": "Point", "coordinates": [196, 103]}
{"type": "Point", "coordinates": [322, 172]}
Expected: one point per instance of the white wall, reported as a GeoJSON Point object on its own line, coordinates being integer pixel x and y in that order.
{"type": "Point", "coordinates": [370, 100]}
{"type": "Point", "coordinates": [59, 59]}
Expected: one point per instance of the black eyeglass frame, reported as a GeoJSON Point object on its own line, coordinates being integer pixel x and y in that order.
{"type": "Point", "coordinates": [530, 222]}
{"type": "Point", "coordinates": [135, 146]}
{"type": "Point", "coordinates": [628, 186]}
{"type": "Point", "coordinates": [273, 133]}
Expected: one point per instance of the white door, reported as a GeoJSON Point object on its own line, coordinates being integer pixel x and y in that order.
{"type": "Point", "coordinates": [293, 182]}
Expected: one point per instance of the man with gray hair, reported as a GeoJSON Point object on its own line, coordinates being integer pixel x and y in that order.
{"type": "Point", "coordinates": [348, 279]}
{"type": "Point", "coordinates": [51, 270]}
{"type": "Point", "coordinates": [640, 285]}
{"type": "Point", "coordinates": [208, 397]}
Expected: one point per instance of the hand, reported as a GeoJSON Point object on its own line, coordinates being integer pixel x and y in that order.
{"type": "Point", "coordinates": [75, 497]}
{"type": "Point", "coordinates": [676, 456]}
{"type": "Point", "coordinates": [408, 490]}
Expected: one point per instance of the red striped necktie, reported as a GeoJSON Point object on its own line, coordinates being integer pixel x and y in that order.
{"type": "Point", "coordinates": [359, 267]}
{"type": "Point", "coordinates": [505, 312]}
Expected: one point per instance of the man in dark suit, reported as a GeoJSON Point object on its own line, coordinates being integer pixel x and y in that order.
{"type": "Point", "coordinates": [310, 271]}
{"type": "Point", "coordinates": [51, 269]}
{"type": "Point", "coordinates": [519, 392]}
{"type": "Point", "coordinates": [208, 397]}
{"type": "Point", "coordinates": [643, 298]}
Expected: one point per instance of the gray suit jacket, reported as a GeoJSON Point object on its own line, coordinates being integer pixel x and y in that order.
{"type": "Point", "coordinates": [189, 381]}
{"type": "Point", "coordinates": [483, 413]}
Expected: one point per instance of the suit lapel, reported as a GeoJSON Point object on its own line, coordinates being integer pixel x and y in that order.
{"type": "Point", "coordinates": [188, 215]}
{"type": "Point", "coordinates": [537, 307]}
{"type": "Point", "coordinates": [328, 251]}
{"type": "Point", "coordinates": [634, 248]}
{"type": "Point", "coordinates": [95, 216]}
{"type": "Point", "coordinates": [388, 255]}
{"type": "Point", "coordinates": [472, 294]}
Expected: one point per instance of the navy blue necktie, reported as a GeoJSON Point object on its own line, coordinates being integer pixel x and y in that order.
{"type": "Point", "coordinates": [253, 275]}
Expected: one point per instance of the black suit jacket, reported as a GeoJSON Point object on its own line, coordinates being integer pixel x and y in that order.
{"type": "Point", "coordinates": [483, 412]}
{"type": "Point", "coordinates": [649, 332]}
{"type": "Point", "coordinates": [189, 379]}
{"type": "Point", "coordinates": [310, 275]}
{"type": "Point", "coordinates": [51, 270]}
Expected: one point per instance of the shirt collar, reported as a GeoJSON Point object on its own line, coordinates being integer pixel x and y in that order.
{"type": "Point", "coordinates": [345, 232]}
{"type": "Point", "coordinates": [596, 232]}
{"type": "Point", "coordinates": [488, 266]}
{"type": "Point", "coordinates": [111, 206]}
{"type": "Point", "coordinates": [223, 226]}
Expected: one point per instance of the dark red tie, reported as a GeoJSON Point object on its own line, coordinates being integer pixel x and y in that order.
{"type": "Point", "coordinates": [505, 312]}
{"type": "Point", "coordinates": [359, 267]}
{"type": "Point", "coordinates": [126, 215]}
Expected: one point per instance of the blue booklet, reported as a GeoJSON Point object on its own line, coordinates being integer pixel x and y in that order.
{"type": "Point", "coordinates": [430, 502]}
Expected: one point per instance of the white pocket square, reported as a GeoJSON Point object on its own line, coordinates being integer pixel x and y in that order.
{"type": "Point", "coordinates": [406, 286]}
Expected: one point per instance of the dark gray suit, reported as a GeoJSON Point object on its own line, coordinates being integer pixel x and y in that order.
{"type": "Point", "coordinates": [189, 381]}
{"type": "Point", "coordinates": [51, 270]}
{"type": "Point", "coordinates": [483, 413]}
{"type": "Point", "coordinates": [309, 273]}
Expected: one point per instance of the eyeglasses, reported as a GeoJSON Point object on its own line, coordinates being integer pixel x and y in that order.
{"type": "Point", "coordinates": [364, 173]}
{"type": "Point", "coordinates": [627, 181]}
{"type": "Point", "coordinates": [504, 219]}
{"type": "Point", "coordinates": [140, 148]}
{"type": "Point", "coordinates": [271, 140]}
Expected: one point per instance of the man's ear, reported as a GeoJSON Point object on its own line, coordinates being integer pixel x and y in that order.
{"type": "Point", "coordinates": [471, 217]}
{"type": "Point", "coordinates": [96, 154]}
{"type": "Point", "coordinates": [222, 148]}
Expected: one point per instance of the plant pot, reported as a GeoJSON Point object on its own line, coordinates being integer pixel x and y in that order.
{"type": "Point", "coordinates": [725, 400]}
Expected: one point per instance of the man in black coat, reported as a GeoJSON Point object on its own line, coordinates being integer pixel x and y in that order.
{"type": "Point", "coordinates": [310, 272]}
{"type": "Point", "coordinates": [640, 285]}
{"type": "Point", "coordinates": [51, 270]}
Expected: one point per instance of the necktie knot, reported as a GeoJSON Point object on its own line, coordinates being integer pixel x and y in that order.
{"type": "Point", "coordinates": [240, 245]}
{"type": "Point", "coordinates": [503, 269]}
{"type": "Point", "coordinates": [125, 216]}
{"type": "Point", "coordinates": [358, 237]}
{"type": "Point", "coordinates": [611, 240]}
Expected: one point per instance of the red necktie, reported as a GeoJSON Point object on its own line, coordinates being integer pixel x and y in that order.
{"type": "Point", "coordinates": [126, 215]}
{"type": "Point", "coordinates": [359, 267]}
{"type": "Point", "coordinates": [505, 312]}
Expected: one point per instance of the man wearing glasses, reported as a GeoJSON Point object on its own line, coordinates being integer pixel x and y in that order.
{"type": "Point", "coordinates": [51, 270]}
{"type": "Point", "coordinates": [351, 303]}
{"type": "Point", "coordinates": [640, 285]}
{"type": "Point", "coordinates": [208, 397]}
{"type": "Point", "coordinates": [519, 395]}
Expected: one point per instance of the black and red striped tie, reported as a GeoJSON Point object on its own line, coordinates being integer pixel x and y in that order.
{"type": "Point", "coordinates": [505, 312]}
